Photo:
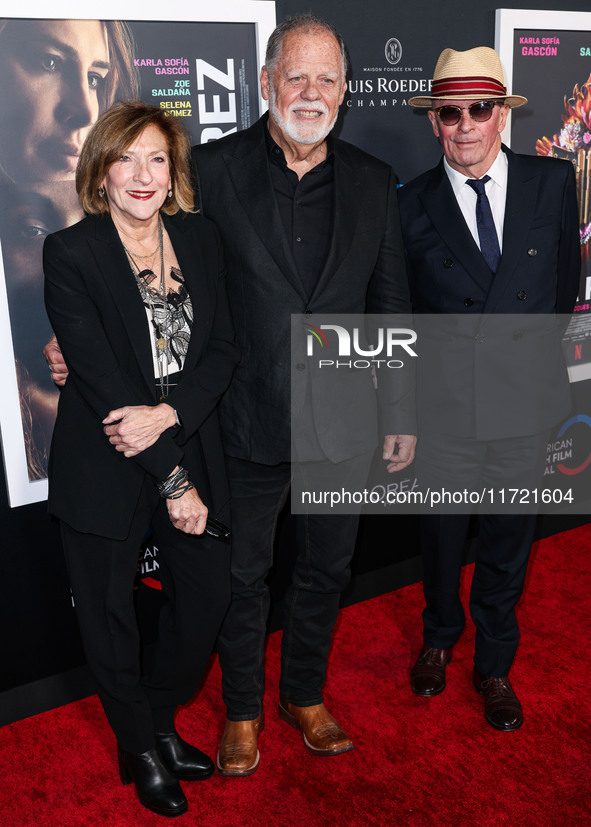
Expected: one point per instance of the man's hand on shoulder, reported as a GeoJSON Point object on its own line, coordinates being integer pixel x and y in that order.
{"type": "Point", "coordinates": [55, 360]}
{"type": "Point", "coordinates": [399, 451]}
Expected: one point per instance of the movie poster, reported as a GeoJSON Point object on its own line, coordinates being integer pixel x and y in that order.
{"type": "Point", "coordinates": [546, 56]}
{"type": "Point", "coordinates": [58, 76]}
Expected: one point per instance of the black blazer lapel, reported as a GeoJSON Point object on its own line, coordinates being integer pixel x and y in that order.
{"type": "Point", "coordinates": [442, 208]}
{"type": "Point", "coordinates": [248, 168]}
{"type": "Point", "coordinates": [522, 191]}
{"type": "Point", "coordinates": [347, 200]}
{"type": "Point", "coordinates": [112, 262]}
{"type": "Point", "coordinates": [192, 265]}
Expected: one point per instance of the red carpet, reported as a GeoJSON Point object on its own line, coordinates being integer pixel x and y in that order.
{"type": "Point", "coordinates": [416, 762]}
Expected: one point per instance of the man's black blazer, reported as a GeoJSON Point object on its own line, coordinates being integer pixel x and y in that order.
{"type": "Point", "coordinates": [365, 272]}
{"type": "Point", "coordinates": [471, 389]}
{"type": "Point", "coordinates": [97, 313]}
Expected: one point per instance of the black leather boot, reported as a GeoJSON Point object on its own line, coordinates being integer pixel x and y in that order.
{"type": "Point", "coordinates": [182, 760]}
{"type": "Point", "coordinates": [156, 789]}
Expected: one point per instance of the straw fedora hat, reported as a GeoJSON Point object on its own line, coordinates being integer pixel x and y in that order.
{"type": "Point", "coordinates": [475, 74]}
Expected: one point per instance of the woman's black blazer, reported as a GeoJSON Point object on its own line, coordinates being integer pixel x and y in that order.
{"type": "Point", "coordinates": [96, 311]}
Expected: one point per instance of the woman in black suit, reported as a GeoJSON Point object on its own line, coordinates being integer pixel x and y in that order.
{"type": "Point", "coordinates": [135, 293]}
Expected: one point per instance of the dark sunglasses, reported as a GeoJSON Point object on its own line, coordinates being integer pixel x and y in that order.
{"type": "Point", "coordinates": [480, 112]}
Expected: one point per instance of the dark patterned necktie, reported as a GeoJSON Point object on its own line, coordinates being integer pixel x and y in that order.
{"type": "Point", "coordinates": [489, 242]}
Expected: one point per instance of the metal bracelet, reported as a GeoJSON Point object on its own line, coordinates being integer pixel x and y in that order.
{"type": "Point", "coordinates": [180, 491]}
{"type": "Point", "coordinates": [172, 483]}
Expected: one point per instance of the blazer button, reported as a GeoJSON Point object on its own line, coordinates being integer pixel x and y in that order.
{"type": "Point", "coordinates": [522, 295]}
{"type": "Point", "coordinates": [532, 252]}
{"type": "Point", "coordinates": [468, 302]}
{"type": "Point", "coordinates": [448, 262]}
{"type": "Point", "coordinates": [479, 338]}
{"type": "Point", "coordinates": [308, 312]}
{"type": "Point", "coordinates": [300, 366]}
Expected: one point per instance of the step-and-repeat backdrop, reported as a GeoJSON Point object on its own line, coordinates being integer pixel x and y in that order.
{"type": "Point", "coordinates": [200, 62]}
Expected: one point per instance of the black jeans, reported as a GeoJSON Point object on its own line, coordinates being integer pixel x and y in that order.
{"type": "Point", "coordinates": [325, 545]}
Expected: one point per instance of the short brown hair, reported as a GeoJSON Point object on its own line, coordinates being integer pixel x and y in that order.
{"type": "Point", "coordinates": [113, 134]}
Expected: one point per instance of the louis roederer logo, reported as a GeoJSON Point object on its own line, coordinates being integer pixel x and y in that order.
{"type": "Point", "coordinates": [387, 340]}
{"type": "Point", "coordinates": [393, 51]}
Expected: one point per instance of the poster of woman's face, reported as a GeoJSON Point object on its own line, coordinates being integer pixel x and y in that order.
{"type": "Point", "coordinates": [58, 76]}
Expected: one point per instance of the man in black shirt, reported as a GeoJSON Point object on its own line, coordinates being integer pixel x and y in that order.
{"type": "Point", "coordinates": [309, 225]}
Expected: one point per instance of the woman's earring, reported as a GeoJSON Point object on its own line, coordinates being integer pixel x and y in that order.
{"type": "Point", "coordinates": [101, 192]}
{"type": "Point", "coordinates": [170, 193]}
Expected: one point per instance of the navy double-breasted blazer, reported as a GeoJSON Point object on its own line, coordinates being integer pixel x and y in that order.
{"type": "Point", "coordinates": [489, 377]}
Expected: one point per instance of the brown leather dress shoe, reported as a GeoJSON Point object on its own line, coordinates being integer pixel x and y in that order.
{"type": "Point", "coordinates": [322, 734]}
{"type": "Point", "coordinates": [501, 705]}
{"type": "Point", "coordinates": [238, 754]}
{"type": "Point", "coordinates": [427, 677]}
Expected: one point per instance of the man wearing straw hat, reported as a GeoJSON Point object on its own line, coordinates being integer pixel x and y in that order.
{"type": "Point", "coordinates": [486, 232]}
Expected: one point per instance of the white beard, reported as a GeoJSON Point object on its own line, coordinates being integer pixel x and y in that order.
{"type": "Point", "coordinates": [301, 133]}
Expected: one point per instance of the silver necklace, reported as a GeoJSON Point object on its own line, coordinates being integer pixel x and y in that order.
{"type": "Point", "coordinates": [145, 255]}
{"type": "Point", "coordinates": [159, 338]}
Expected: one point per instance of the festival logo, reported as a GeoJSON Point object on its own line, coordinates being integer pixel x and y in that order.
{"type": "Point", "coordinates": [148, 567]}
{"type": "Point", "coordinates": [570, 452]}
